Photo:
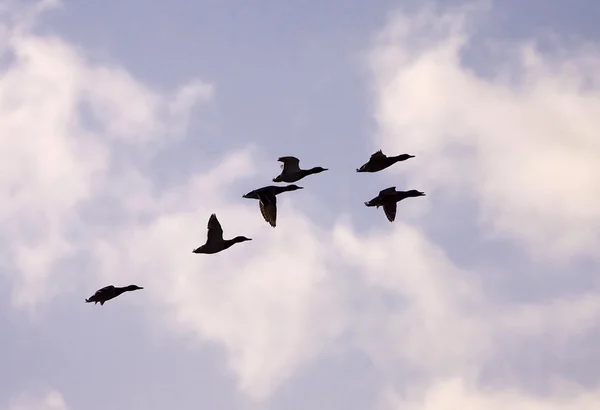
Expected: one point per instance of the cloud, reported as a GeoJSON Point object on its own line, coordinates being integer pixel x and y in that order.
{"type": "Point", "coordinates": [269, 302]}
{"type": "Point", "coordinates": [522, 149]}
{"type": "Point", "coordinates": [522, 141]}
{"type": "Point", "coordinates": [62, 117]}
{"type": "Point", "coordinates": [49, 400]}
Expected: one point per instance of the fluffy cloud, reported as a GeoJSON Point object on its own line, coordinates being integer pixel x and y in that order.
{"type": "Point", "coordinates": [523, 147]}
{"type": "Point", "coordinates": [62, 117]}
{"type": "Point", "coordinates": [270, 302]}
{"type": "Point", "coordinates": [522, 140]}
{"type": "Point", "coordinates": [79, 181]}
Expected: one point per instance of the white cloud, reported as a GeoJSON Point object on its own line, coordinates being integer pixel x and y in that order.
{"type": "Point", "coordinates": [527, 149]}
{"type": "Point", "coordinates": [53, 160]}
{"type": "Point", "coordinates": [270, 302]}
{"type": "Point", "coordinates": [527, 152]}
{"type": "Point", "coordinates": [49, 400]}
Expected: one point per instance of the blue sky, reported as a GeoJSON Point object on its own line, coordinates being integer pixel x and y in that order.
{"type": "Point", "coordinates": [125, 126]}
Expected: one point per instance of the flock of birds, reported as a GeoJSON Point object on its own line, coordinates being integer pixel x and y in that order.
{"type": "Point", "coordinates": [267, 201]}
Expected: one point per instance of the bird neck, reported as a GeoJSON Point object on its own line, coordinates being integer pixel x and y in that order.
{"type": "Point", "coordinates": [311, 171]}
{"type": "Point", "coordinates": [118, 291]}
{"type": "Point", "coordinates": [237, 239]}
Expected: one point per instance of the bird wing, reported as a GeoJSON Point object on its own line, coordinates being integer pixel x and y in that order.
{"type": "Point", "coordinates": [387, 191]}
{"type": "Point", "coordinates": [215, 231]}
{"type": "Point", "coordinates": [390, 211]}
{"type": "Point", "coordinates": [268, 208]}
{"type": "Point", "coordinates": [377, 156]}
{"type": "Point", "coordinates": [105, 289]}
{"type": "Point", "coordinates": [290, 165]}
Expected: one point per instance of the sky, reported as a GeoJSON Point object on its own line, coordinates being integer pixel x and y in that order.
{"type": "Point", "coordinates": [124, 126]}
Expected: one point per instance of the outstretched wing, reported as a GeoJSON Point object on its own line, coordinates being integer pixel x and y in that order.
{"type": "Point", "coordinates": [387, 191]}
{"type": "Point", "coordinates": [268, 208]}
{"type": "Point", "coordinates": [390, 211]}
{"type": "Point", "coordinates": [215, 232]}
{"type": "Point", "coordinates": [378, 156]}
{"type": "Point", "coordinates": [290, 165]}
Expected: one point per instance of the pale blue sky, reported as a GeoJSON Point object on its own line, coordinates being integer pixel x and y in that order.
{"type": "Point", "coordinates": [291, 78]}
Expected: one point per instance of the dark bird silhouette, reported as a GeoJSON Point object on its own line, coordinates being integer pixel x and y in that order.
{"type": "Point", "coordinates": [388, 199]}
{"type": "Point", "coordinates": [214, 238]}
{"type": "Point", "coordinates": [379, 161]}
{"type": "Point", "coordinates": [291, 172]}
{"type": "Point", "coordinates": [267, 200]}
{"type": "Point", "coordinates": [110, 292]}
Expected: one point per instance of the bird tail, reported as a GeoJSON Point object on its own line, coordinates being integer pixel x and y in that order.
{"type": "Point", "coordinates": [87, 301]}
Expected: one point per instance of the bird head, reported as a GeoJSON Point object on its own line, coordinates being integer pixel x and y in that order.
{"type": "Point", "coordinates": [242, 239]}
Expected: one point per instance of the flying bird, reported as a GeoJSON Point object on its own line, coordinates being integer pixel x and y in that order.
{"type": "Point", "coordinates": [380, 161]}
{"type": "Point", "coordinates": [388, 199]}
{"type": "Point", "coordinates": [267, 200]}
{"type": "Point", "coordinates": [291, 172]}
{"type": "Point", "coordinates": [214, 238]}
{"type": "Point", "coordinates": [110, 292]}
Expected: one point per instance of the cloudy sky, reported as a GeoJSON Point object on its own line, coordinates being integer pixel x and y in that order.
{"type": "Point", "coordinates": [123, 126]}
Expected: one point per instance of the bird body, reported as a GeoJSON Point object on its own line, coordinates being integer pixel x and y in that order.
{"type": "Point", "coordinates": [291, 172]}
{"type": "Point", "coordinates": [380, 161]}
{"type": "Point", "coordinates": [267, 200]}
{"type": "Point", "coordinates": [214, 238]}
{"type": "Point", "coordinates": [110, 292]}
{"type": "Point", "coordinates": [388, 198]}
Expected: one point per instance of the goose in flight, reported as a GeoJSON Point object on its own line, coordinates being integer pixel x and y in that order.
{"type": "Point", "coordinates": [388, 198]}
{"type": "Point", "coordinates": [291, 172]}
{"type": "Point", "coordinates": [214, 238]}
{"type": "Point", "coordinates": [267, 200]}
{"type": "Point", "coordinates": [110, 292]}
{"type": "Point", "coordinates": [380, 161]}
